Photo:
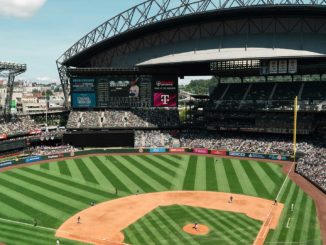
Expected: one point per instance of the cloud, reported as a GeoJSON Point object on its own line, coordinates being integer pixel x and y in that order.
{"type": "Point", "coordinates": [47, 79]}
{"type": "Point", "coordinates": [20, 8]}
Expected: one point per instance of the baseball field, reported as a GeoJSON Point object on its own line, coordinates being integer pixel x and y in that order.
{"type": "Point", "coordinates": [37, 200]}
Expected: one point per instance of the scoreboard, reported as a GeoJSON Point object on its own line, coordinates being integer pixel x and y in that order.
{"type": "Point", "coordinates": [124, 92]}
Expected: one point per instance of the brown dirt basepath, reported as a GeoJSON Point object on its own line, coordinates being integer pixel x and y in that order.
{"type": "Point", "coordinates": [103, 223]}
{"type": "Point", "coordinates": [202, 229]}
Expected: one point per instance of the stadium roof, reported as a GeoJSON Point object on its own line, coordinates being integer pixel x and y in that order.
{"type": "Point", "coordinates": [154, 11]}
{"type": "Point", "coordinates": [231, 54]}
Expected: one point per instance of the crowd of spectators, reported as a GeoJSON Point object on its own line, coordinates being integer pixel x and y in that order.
{"type": "Point", "coordinates": [258, 143]}
{"type": "Point", "coordinates": [135, 118]}
{"type": "Point", "coordinates": [209, 140]}
{"type": "Point", "coordinates": [18, 126]}
{"type": "Point", "coordinates": [51, 150]}
{"type": "Point", "coordinates": [156, 138]}
{"type": "Point", "coordinates": [312, 162]}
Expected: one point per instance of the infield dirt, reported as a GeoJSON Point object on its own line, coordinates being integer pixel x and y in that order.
{"type": "Point", "coordinates": [104, 223]}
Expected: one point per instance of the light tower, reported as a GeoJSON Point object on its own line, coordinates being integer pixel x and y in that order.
{"type": "Point", "coordinates": [10, 70]}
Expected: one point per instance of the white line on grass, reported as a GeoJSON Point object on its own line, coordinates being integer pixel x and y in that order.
{"type": "Point", "coordinates": [288, 223]}
{"type": "Point", "coordinates": [286, 178]}
{"type": "Point", "coordinates": [269, 217]}
{"type": "Point", "coordinates": [49, 229]}
{"type": "Point", "coordinates": [26, 224]}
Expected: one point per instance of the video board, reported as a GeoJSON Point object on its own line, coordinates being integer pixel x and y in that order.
{"type": "Point", "coordinates": [124, 92]}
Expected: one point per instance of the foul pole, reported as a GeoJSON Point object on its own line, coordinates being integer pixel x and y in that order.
{"type": "Point", "coordinates": [295, 109]}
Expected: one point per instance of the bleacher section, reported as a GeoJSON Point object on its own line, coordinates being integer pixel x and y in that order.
{"type": "Point", "coordinates": [134, 118]}
{"type": "Point", "coordinates": [286, 91]}
{"type": "Point", "coordinates": [260, 91]}
{"type": "Point", "coordinates": [236, 91]}
{"type": "Point", "coordinates": [157, 138]}
{"type": "Point", "coordinates": [269, 96]}
{"type": "Point", "coordinates": [314, 91]}
{"type": "Point", "coordinates": [219, 91]}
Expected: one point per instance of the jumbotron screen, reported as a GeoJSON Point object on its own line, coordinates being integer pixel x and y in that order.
{"type": "Point", "coordinates": [124, 92]}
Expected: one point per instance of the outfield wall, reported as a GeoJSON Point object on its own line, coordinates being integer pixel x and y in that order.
{"type": "Point", "coordinates": [36, 158]}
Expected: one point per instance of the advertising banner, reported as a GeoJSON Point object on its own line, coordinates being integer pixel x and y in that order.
{"type": "Point", "coordinates": [5, 164]}
{"type": "Point", "coordinates": [165, 92]}
{"type": "Point", "coordinates": [237, 154]}
{"type": "Point", "coordinates": [200, 150]}
{"type": "Point", "coordinates": [83, 100]}
{"type": "Point", "coordinates": [218, 152]}
{"type": "Point", "coordinates": [177, 150]}
{"type": "Point", "coordinates": [255, 155]}
{"type": "Point", "coordinates": [56, 156]}
{"type": "Point", "coordinates": [36, 131]}
{"type": "Point", "coordinates": [165, 100]}
{"type": "Point", "coordinates": [82, 85]}
{"type": "Point", "coordinates": [279, 157]}
{"type": "Point", "coordinates": [260, 156]}
{"type": "Point", "coordinates": [3, 136]}
{"type": "Point", "coordinates": [157, 150]}
{"type": "Point", "coordinates": [32, 159]}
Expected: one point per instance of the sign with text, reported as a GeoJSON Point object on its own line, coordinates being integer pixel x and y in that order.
{"type": "Point", "coordinates": [83, 100]}
{"type": "Point", "coordinates": [177, 150]}
{"type": "Point", "coordinates": [218, 152]}
{"type": "Point", "coordinates": [157, 150]}
{"type": "Point", "coordinates": [200, 150]}
{"type": "Point", "coordinates": [165, 93]}
{"type": "Point", "coordinates": [124, 91]}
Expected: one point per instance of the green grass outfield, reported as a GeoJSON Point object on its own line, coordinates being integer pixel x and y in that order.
{"type": "Point", "coordinates": [52, 192]}
{"type": "Point", "coordinates": [164, 226]}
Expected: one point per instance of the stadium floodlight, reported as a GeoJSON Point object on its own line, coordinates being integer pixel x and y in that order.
{"type": "Point", "coordinates": [7, 68]}
{"type": "Point", "coordinates": [10, 70]}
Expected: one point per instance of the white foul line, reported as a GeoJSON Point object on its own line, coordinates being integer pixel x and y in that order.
{"type": "Point", "coordinates": [26, 224]}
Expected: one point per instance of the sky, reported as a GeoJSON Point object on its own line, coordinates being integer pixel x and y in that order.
{"type": "Point", "coordinates": [37, 32]}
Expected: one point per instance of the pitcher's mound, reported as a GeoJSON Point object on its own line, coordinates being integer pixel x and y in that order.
{"type": "Point", "coordinates": [201, 230]}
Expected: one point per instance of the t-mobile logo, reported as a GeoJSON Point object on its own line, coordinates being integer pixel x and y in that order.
{"type": "Point", "coordinates": [165, 98]}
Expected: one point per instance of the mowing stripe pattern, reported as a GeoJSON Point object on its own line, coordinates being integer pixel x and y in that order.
{"type": "Point", "coordinates": [164, 226]}
{"type": "Point", "coordinates": [52, 192]}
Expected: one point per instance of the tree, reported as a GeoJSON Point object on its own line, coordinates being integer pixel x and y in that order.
{"type": "Point", "coordinates": [35, 91]}
{"type": "Point", "coordinates": [57, 89]}
{"type": "Point", "coordinates": [201, 86]}
{"type": "Point", "coordinates": [48, 92]}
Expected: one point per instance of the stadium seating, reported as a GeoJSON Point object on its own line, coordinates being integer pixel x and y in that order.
{"type": "Point", "coordinates": [135, 118]}
{"type": "Point", "coordinates": [260, 91]}
{"type": "Point", "coordinates": [18, 126]}
{"type": "Point", "coordinates": [312, 164]}
{"type": "Point", "coordinates": [268, 95]}
{"type": "Point", "coordinates": [156, 138]}
{"type": "Point", "coordinates": [236, 91]}
{"type": "Point", "coordinates": [314, 91]}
